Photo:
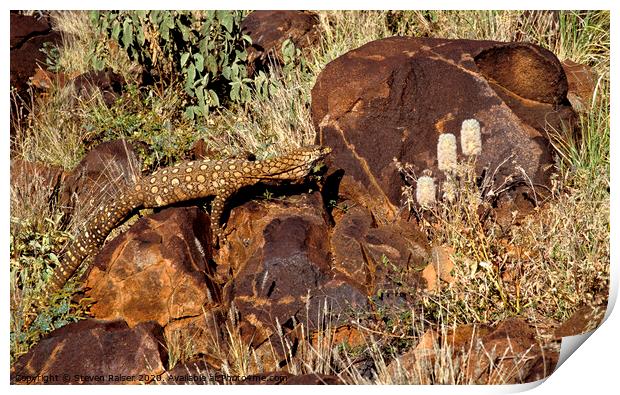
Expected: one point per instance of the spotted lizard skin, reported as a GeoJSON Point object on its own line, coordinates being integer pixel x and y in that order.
{"type": "Point", "coordinates": [181, 182]}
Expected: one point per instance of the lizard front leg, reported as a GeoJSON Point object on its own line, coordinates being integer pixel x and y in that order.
{"type": "Point", "coordinates": [217, 208]}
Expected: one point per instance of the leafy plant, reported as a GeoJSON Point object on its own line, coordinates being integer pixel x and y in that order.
{"type": "Point", "coordinates": [205, 47]}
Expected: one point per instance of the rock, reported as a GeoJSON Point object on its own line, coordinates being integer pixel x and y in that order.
{"type": "Point", "coordinates": [100, 176]}
{"type": "Point", "coordinates": [107, 82]}
{"type": "Point", "coordinates": [440, 267]}
{"type": "Point", "coordinates": [377, 257]}
{"type": "Point", "coordinates": [202, 336]}
{"type": "Point", "coordinates": [505, 354]}
{"type": "Point", "coordinates": [391, 98]}
{"type": "Point", "coordinates": [412, 366]}
{"type": "Point", "coordinates": [342, 335]}
{"type": "Point", "coordinates": [509, 354]}
{"type": "Point", "coordinates": [269, 30]}
{"type": "Point", "coordinates": [585, 319]}
{"type": "Point", "coordinates": [581, 84]}
{"type": "Point", "coordinates": [45, 80]}
{"type": "Point", "coordinates": [279, 267]}
{"type": "Point", "coordinates": [383, 255]}
{"type": "Point", "coordinates": [94, 352]}
{"type": "Point", "coordinates": [28, 34]}
{"type": "Point", "coordinates": [157, 271]}
{"type": "Point", "coordinates": [31, 178]}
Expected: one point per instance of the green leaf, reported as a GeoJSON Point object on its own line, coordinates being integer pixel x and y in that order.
{"type": "Point", "coordinates": [191, 73]}
{"type": "Point", "coordinates": [226, 72]}
{"type": "Point", "coordinates": [140, 37]}
{"type": "Point", "coordinates": [189, 112]}
{"type": "Point", "coordinates": [169, 20]}
{"type": "Point", "coordinates": [200, 95]}
{"type": "Point", "coordinates": [241, 55]}
{"type": "Point", "coordinates": [93, 16]}
{"type": "Point", "coordinates": [127, 33]}
{"type": "Point", "coordinates": [235, 87]}
{"type": "Point", "coordinates": [226, 19]}
{"type": "Point", "coordinates": [155, 17]}
{"type": "Point", "coordinates": [214, 99]}
{"type": "Point", "coordinates": [199, 61]}
{"type": "Point", "coordinates": [184, 58]}
{"type": "Point", "coordinates": [116, 30]}
{"type": "Point", "coordinates": [184, 30]}
{"type": "Point", "coordinates": [246, 38]}
{"type": "Point", "coordinates": [212, 64]}
{"type": "Point", "coordinates": [98, 64]}
{"type": "Point", "coordinates": [164, 31]}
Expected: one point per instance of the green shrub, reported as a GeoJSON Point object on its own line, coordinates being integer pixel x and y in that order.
{"type": "Point", "coordinates": [206, 48]}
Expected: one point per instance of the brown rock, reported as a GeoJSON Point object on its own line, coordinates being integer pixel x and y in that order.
{"type": "Point", "coordinates": [581, 84]}
{"type": "Point", "coordinates": [269, 30]}
{"type": "Point", "coordinates": [30, 178]}
{"type": "Point", "coordinates": [100, 176]}
{"type": "Point", "coordinates": [107, 82]}
{"type": "Point", "coordinates": [429, 274]}
{"type": "Point", "coordinates": [376, 256]}
{"type": "Point", "coordinates": [94, 352]}
{"type": "Point", "coordinates": [278, 254]}
{"type": "Point", "coordinates": [200, 150]}
{"type": "Point", "coordinates": [45, 80]}
{"type": "Point", "coordinates": [159, 270]}
{"type": "Point", "coordinates": [585, 319]}
{"type": "Point", "coordinates": [508, 355]}
{"type": "Point", "coordinates": [505, 354]}
{"type": "Point", "coordinates": [204, 335]}
{"type": "Point", "coordinates": [28, 34]}
{"type": "Point", "coordinates": [440, 268]}
{"type": "Point", "coordinates": [412, 367]}
{"type": "Point", "coordinates": [344, 334]}
{"type": "Point", "coordinates": [391, 98]}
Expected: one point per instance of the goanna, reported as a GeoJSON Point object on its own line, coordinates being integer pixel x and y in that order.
{"type": "Point", "coordinates": [181, 182]}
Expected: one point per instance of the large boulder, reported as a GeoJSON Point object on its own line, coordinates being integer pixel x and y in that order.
{"type": "Point", "coordinates": [391, 98]}
{"type": "Point", "coordinates": [94, 352]}
{"type": "Point", "coordinates": [157, 271]}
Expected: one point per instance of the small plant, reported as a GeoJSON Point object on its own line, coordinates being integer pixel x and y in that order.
{"type": "Point", "coordinates": [33, 256]}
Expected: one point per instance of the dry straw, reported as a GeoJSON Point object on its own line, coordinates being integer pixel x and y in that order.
{"type": "Point", "coordinates": [446, 152]}
{"type": "Point", "coordinates": [425, 191]}
{"type": "Point", "coordinates": [471, 143]}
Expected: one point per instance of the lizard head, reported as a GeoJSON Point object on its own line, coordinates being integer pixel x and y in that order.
{"type": "Point", "coordinates": [295, 165]}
